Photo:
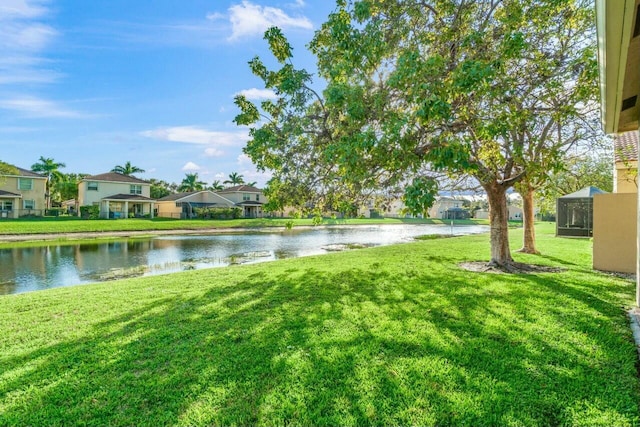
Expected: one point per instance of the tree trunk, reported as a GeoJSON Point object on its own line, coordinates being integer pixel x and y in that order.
{"type": "Point", "coordinates": [498, 219]}
{"type": "Point", "coordinates": [528, 219]}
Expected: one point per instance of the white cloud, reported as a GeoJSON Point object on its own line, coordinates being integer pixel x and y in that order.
{"type": "Point", "coordinates": [244, 160]}
{"type": "Point", "coordinates": [198, 135]}
{"type": "Point", "coordinates": [190, 166]}
{"type": "Point", "coordinates": [297, 4]}
{"type": "Point", "coordinates": [257, 94]}
{"type": "Point", "coordinates": [249, 19]}
{"type": "Point", "coordinates": [36, 107]}
{"type": "Point", "coordinates": [261, 178]}
{"type": "Point", "coordinates": [22, 42]}
{"type": "Point", "coordinates": [213, 152]}
{"type": "Point", "coordinates": [11, 9]}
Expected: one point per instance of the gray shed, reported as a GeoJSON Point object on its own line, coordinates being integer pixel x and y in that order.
{"type": "Point", "coordinates": [575, 213]}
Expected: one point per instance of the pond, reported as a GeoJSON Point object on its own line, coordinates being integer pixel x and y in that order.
{"type": "Point", "coordinates": [26, 269]}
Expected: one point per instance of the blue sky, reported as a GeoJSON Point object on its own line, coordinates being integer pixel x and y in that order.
{"type": "Point", "coordinates": [94, 84]}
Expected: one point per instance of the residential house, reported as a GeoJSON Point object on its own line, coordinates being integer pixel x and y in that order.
{"type": "Point", "coordinates": [444, 204]}
{"type": "Point", "coordinates": [247, 197]}
{"type": "Point", "coordinates": [184, 205]}
{"type": "Point", "coordinates": [615, 232]}
{"type": "Point", "coordinates": [22, 194]}
{"type": "Point", "coordinates": [117, 195]}
{"type": "Point", "coordinates": [391, 209]}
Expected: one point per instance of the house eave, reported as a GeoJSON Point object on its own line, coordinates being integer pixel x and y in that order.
{"type": "Point", "coordinates": [614, 20]}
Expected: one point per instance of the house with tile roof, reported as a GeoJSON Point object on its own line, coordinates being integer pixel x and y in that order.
{"type": "Point", "coordinates": [185, 205]}
{"type": "Point", "coordinates": [116, 195]}
{"type": "Point", "coordinates": [22, 194]}
{"type": "Point", "coordinates": [247, 197]}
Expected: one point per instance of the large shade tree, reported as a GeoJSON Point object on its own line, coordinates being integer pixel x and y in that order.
{"type": "Point", "coordinates": [51, 169]}
{"type": "Point", "coordinates": [454, 85]}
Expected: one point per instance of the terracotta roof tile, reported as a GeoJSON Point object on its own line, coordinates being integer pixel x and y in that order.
{"type": "Point", "coordinates": [626, 146]}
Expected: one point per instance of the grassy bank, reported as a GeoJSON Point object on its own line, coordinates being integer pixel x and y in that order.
{"type": "Point", "coordinates": [386, 336]}
{"type": "Point", "coordinates": [75, 225]}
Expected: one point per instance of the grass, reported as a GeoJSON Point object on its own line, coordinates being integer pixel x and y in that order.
{"type": "Point", "coordinates": [393, 335]}
{"type": "Point", "coordinates": [51, 225]}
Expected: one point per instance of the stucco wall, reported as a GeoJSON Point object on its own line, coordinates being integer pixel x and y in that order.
{"type": "Point", "coordinates": [625, 177]}
{"type": "Point", "coordinates": [37, 193]}
{"type": "Point", "coordinates": [106, 189]}
{"type": "Point", "coordinates": [168, 209]}
{"type": "Point", "coordinates": [614, 232]}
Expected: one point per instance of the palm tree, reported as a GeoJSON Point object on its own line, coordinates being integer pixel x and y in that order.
{"type": "Point", "coordinates": [234, 179]}
{"type": "Point", "coordinates": [191, 183]}
{"type": "Point", "coordinates": [251, 184]}
{"type": "Point", "coordinates": [216, 185]}
{"type": "Point", "coordinates": [49, 168]}
{"type": "Point", "coordinates": [127, 169]}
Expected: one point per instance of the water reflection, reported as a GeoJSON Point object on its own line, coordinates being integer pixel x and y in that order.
{"type": "Point", "coordinates": [34, 268]}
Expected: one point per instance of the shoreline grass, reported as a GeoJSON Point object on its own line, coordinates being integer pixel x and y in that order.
{"type": "Point", "coordinates": [62, 225]}
{"type": "Point", "coordinates": [392, 335]}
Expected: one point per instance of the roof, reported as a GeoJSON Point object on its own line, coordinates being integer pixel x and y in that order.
{"type": "Point", "coordinates": [8, 193]}
{"type": "Point", "coordinates": [26, 172]}
{"type": "Point", "coordinates": [618, 64]}
{"type": "Point", "coordinates": [177, 196]}
{"type": "Point", "coordinates": [249, 203]}
{"type": "Point", "coordinates": [134, 197]}
{"type": "Point", "coordinates": [235, 189]}
{"type": "Point", "coordinates": [585, 193]}
{"type": "Point", "coordinates": [115, 177]}
{"type": "Point", "coordinates": [626, 146]}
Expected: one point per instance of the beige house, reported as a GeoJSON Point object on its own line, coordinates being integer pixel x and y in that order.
{"type": "Point", "coordinates": [22, 194]}
{"type": "Point", "coordinates": [117, 195]}
{"type": "Point", "coordinates": [249, 198]}
{"type": "Point", "coordinates": [615, 231]}
{"type": "Point", "coordinates": [184, 205]}
{"type": "Point", "coordinates": [442, 205]}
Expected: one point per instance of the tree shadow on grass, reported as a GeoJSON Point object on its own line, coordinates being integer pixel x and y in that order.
{"type": "Point", "coordinates": [363, 346]}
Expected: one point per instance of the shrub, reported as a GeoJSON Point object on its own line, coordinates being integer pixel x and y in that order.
{"type": "Point", "coordinates": [218, 213]}
{"type": "Point", "coordinates": [90, 212]}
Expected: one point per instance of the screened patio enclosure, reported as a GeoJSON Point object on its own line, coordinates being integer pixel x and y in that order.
{"type": "Point", "coordinates": [575, 213]}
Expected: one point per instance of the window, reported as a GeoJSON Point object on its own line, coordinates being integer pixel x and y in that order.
{"type": "Point", "coordinates": [6, 205]}
{"type": "Point", "coordinates": [28, 204]}
{"type": "Point", "coordinates": [257, 197]}
{"type": "Point", "coordinates": [25, 184]}
{"type": "Point", "coordinates": [246, 197]}
{"type": "Point", "coordinates": [92, 186]}
{"type": "Point", "coordinates": [135, 189]}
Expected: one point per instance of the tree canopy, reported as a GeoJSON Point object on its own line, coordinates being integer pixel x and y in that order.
{"type": "Point", "coordinates": [466, 87]}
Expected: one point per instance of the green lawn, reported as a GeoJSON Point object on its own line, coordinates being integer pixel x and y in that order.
{"type": "Point", "coordinates": [394, 335]}
{"type": "Point", "coordinates": [52, 225]}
